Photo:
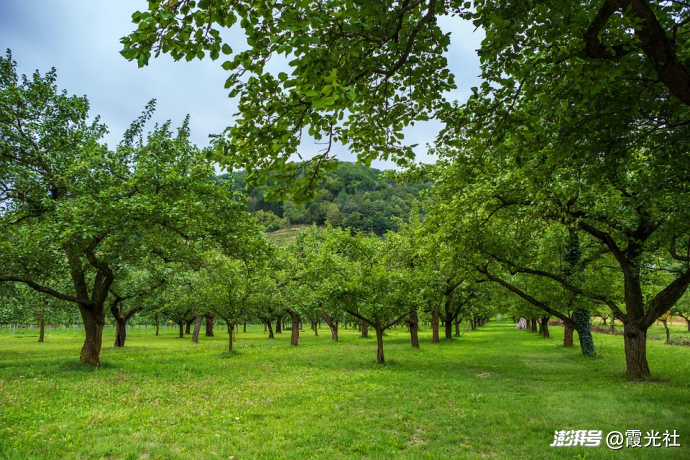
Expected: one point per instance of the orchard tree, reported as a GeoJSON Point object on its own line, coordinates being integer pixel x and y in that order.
{"type": "Point", "coordinates": [135, 285]}
{"type": "Point", "coordinates": [629, 222]}
{"type": "Point", "coordinates": [71, 204]}
{"type": "Point", "coordinates": [370, 290]}
{"type": "Point", "coordinates": [231, 289]}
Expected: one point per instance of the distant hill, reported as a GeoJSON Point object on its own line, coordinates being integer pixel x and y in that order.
{"type": "Point", "coordinates": [349, 196]}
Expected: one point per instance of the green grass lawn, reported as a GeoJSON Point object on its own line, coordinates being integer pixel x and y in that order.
{"type": "Point", "coordinates": [493, 393]}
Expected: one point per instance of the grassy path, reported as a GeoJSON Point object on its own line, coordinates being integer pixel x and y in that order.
{"type": "Point", "coordinates": [493, 393]}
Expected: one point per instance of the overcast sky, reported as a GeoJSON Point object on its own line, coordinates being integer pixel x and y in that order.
{"type": "Point", "coordinates": [81, 39]}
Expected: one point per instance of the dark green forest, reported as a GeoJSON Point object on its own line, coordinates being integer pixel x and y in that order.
{"type": "Point", "coordinates": [351, 196]}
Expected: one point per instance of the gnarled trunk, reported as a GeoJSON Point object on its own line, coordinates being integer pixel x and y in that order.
{"type": "Point", "coordinates": [270, 330]}
{"type": "Point", "coordinates": [414, 329]}
{"type": "Point", "coordinates": [94, 320]}
{"type": "Point", "coordinates": [635, 339]}
{"type": "Point", "coordinates": [365, 330]}
{"type": "Point", "coordinates": [434, 326]}
{"type": "Point", "coordinates": [315, 327]}
{"type": "Point", "coordinates": [209, 325]}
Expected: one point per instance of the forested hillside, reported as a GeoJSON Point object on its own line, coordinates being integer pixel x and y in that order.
{"type": "Point", "coordinates": [350, 196]}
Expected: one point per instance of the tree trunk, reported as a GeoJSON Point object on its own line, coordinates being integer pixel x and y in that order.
{"type": "Point", "coordinates": [414, 329]}
{"type": "Point", "coordinates": [197, 328]}
{"type": "Point", "coordinates": [156, 318]}
{"type": "Point", "coordinates": [181, 324]}
{"type": "Point", "coordinates": [315, 326]}
{"type": "Point", "coordinates": [541, 326]}
{"type": "Point", "coordinates": [42, 329]}
{"type": "Point", "coordinates": [279, 329]}
{"type": "Point", "coordinates": [379, 344]}
{"type": "Point", "coordinates": [231, 328]}
{"type": "Point", "coordinates": [635, 350]}
{"type": "Point", "coordinates": [294, 338]}
{"type": "Point", "coordinates": [534, 324]}
{"type": "Point", "coordinates": [332, 324]}
{"type": "Point", "coordinates": [188, 328]}
{"type": "Point", "coordinates": [270, 330]}
{"type": "Point", "coordinates": [545, 327]}
{"type": "Point", "coordinates": [120, 332]}
{"type": "Point", "coordinates": [449, 329]}
{"type": "Point", "coordinates": [94, 320]}
{"type": "Point", "coordinates": [209, 325]}
{"type": "Point", "coordinates": [584, 331]}
{"type": "Point", "coordinates": [613, 320]}
{"type": "Point", "coordinates": [434, 326]}
{"type": "Point", "coordinates": [568, 333]}
{"type": "Point", "coordinates": [244, 329]}
{"type": "Point", "coordinates": [365, 330]}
